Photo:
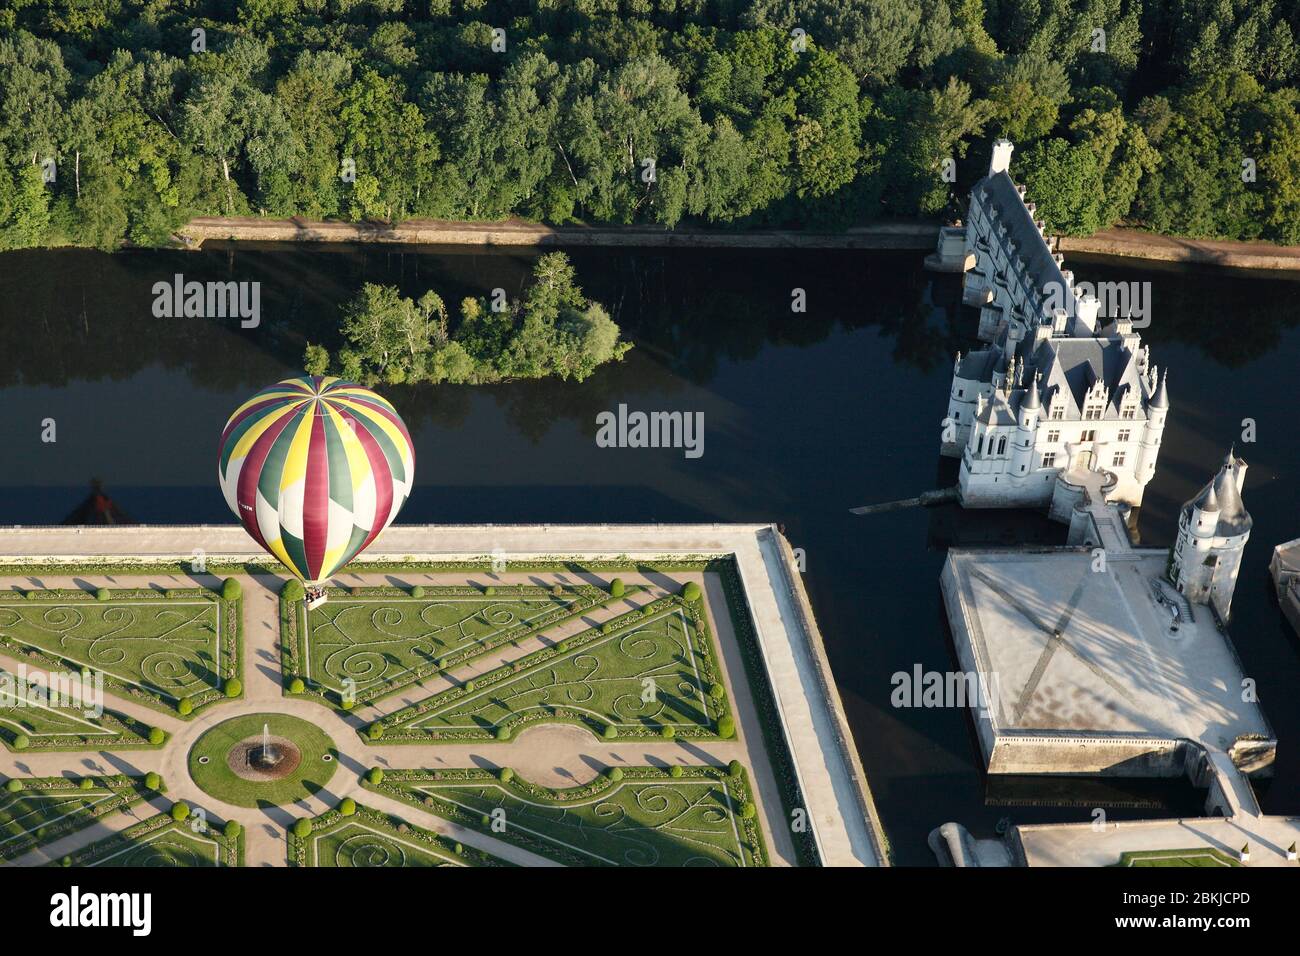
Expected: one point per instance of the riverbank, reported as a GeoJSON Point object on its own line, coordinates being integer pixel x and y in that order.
{"type": "Point", "coordinates": [518, 232]}
{"type": "Point", "coordinates": [1136, 244]}
{"type": "Point", "coordinates": [1120, 242]}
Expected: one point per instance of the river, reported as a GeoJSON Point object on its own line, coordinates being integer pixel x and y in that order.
{"type": "Point", "coordinates": [806, 415]}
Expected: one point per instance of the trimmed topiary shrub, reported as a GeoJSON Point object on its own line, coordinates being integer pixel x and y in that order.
{"type": "Point", "coordinates": [101, 594]}
{"type": "Point", "coordinates": [375, 730]}
{"type": "Point", "coordinates": [87, 783]}
{"type": "Point", "coordinates": [157, 735]}
{"type": "Point", "coordinates": [347, 806]}
{"type": "Point", "coordinates": [617, 588]}
{"type": "Point", "coordinates": [375, 776]}
{"type": "Point", "coordinates": [22, 742]}
{"type": "Point", "coordinates": [615, 774]}
{"type": "Point", "coordinates": [489, 590]}
{"type": "Point", "coordinates": [13, 786]}
{"type": "Point", "coordinates": [234, 687]}
{"type": "Point", "coordinates": [180, 811]}
{"type": "Point", "coordinates": [610, 732]}
{"type": "Point", "coordinates": [691, 592]}
{"type": "Point", "coordinates": [185, 707]}
{"type": "Point", "coordinates": [667, 733]}
{"type": "Point", "coordinates": [417, 591]}
{"type": "Point", "coordinates": [470, 685]}
{"type": "Point", "coordinates": [747, 810]}
{"type": "Point", "coordinates": [152, 781]}
{"type": "Point", "coordinates": [505, 775]}
{"type": "Point", "coordinates": [676, 771]}
{"type": "Point", "coordinates": [65, 861]}
{"type": "Point", "coordinates": [293, 590]}
{"type": "Point", "coordinates": [296, 686]}
{"type": "Point", "coordinates": [503, 733]}
{"type": "Point", "coordinates": [734, 769]}
{"type": "Point", "coordinates": [717, 691]}
{"type": "Point", "coordinates": [302, 827]}
{"type": "Point", "coordinates": [232, 829]}
{"type": "Point", "coordinates": [727, 727]}
{"type": "Point", "coordinates": [231, 589]}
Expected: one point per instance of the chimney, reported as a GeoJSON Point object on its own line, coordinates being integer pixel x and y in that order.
{"type": "Point", "coordinates": [1239, 472]}
{"type": "Point", "coordinates": [1086, 311]}
{"type": "Point", "coordinates": [1001, 159]}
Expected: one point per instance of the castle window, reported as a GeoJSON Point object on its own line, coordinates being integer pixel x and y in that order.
{"type": "Point", "coordinates": [1054, 435]}
{"type": "Point", "coordinates": [1117, 460]}
{"type": "Point", "coordinates": [1092, 413]}
{"type": "Point", "coordinates": [1049, 460]}
{"type": "Point", "coordinates": [961, 392]}
{"type": "Point", "coordinates": [1002, 444]}
{"type": "Point", "coordinates": [1089, 435]}
{"type": "Point", "coordinates": [1058, 412]}
{"type": "Point", "coordinates": [1128, 412]}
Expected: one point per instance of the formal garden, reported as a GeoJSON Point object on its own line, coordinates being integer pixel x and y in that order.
{"type": "Point", "coordinates": [176, 838]}
{"type": "Point", "coordinates": [30, 720]}
{"type": "Point", "coordinates": [618, 660]}
{"type": "Point", "coordinates": [353, 835]}
{"type": "Point", "coordinates": [36, 811]}
{"type": "Point", "coordinates": [635, 816]}
{"type": "Point", "coordinates": [648, 672]}
{"type": "Point", "coordinates": [368, 642]}
{"type": "Point", "coordinates": [176, 649]}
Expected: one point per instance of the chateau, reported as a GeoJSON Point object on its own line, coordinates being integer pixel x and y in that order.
{"type": "Point", "coordinates": [1063, 396]}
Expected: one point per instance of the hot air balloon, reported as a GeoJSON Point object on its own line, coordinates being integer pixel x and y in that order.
{"type": "Point", "coordinates": [315, 467]}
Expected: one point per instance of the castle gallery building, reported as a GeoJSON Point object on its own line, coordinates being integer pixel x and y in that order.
{"type": "Point", "coordinates": [1062, 391]}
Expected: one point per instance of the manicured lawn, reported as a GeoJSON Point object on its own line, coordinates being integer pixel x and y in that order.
{"type": "Point", "coordinates": [160, 841]}
{"type": "Point", "coordinates": [372, 839]}
{"type": "Point", "coordinates": [49, 808]}
{"type": "Point", "coordinates": [1200, 856]}
{"type": "Point", "coordinates": [652, 673]}
{"type": "Point", "coordinates": [646, 819]}
{"type": "Point", "coordinates": [67, 726]}
{"type": "Point", "coordinates": [383, 640]}
{"type": "Point", "coordinates": [214, 777]}
{"type": "Point", "coordinates": [144, 641]}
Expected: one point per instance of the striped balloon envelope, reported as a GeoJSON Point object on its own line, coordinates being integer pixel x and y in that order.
{"type": "Point", "coordinates": [315, 467]}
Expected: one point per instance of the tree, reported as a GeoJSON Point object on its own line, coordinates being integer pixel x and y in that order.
{"type": "Point", "coordinates": [302, 827]}
{"type": "Point", "coordinates": [157, 735]}
{"type": "Point", "coordinates": [347, 806]}
{"type": "Point", "coordinates": [180, 811]}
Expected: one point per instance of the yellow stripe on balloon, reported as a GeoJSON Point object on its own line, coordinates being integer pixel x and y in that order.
{"type": "Point", "coordinates": [370, 415]}
{"type": "Point", "coordinates": [259, 399]}
{"type": "Point", "coordinates": [358, 462]}
{"type": "Point", "coordinates": [295, 463]}
{"type": "Point", "coordinates": [256, 430]}
{"type": "Point", "coordinates": [276, 547]}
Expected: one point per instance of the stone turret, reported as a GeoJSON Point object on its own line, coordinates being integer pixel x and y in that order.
{"type": "Point", "coordinates": [1213, 529]}
{"type": "Point", "coordinates": [1153, 431]}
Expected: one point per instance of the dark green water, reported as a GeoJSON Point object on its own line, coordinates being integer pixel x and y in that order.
{"type": "Point", "coordinates": [806, 416]}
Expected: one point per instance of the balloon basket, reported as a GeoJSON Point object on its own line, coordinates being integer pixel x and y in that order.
{"type": "Point", "coordinates": [315, 597]}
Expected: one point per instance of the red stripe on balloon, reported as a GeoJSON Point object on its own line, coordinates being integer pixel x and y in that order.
{"type": "Point", "coordinates": [254, 410]}
{"type": "Point", "coordinates": [246, 492]}
{"type": "Point", "coordinates": [383, 481]}
{"type": "Point", "coordinates": [316, 497]}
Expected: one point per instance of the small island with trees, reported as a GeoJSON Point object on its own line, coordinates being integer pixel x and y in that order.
{"type": "Point", "coordinates": [554, 330]}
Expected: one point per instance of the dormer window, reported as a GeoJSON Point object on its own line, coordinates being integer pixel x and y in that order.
{"type": "Point", "coordinates": [1058, 412]}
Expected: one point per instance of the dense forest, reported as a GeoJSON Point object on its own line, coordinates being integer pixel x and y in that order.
{"type": "Point", "coordinates": [123, 119]}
